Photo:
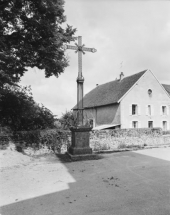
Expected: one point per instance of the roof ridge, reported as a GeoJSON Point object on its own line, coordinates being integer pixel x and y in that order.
{"type": "Point", "coordinates": [110, 92]}
{"type": "Point", "coordinates": [122, 79]}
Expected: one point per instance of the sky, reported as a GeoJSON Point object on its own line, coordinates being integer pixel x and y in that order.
{"type": "Point", "coordinates": [130, 36]}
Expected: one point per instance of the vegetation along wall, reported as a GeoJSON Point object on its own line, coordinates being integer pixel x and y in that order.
{"type": "Point", "coordinates": [128, 138]}
{"type": "Point", "coordinates": [59, 140]}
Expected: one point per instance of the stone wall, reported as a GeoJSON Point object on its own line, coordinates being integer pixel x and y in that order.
{"type": "Point", "coordinates": [166, 139]}
{"type": "Point", "coordinates": [107, 140]}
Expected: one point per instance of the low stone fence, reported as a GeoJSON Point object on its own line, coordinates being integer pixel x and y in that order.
{"type": "Point", "coordinates": [59, 141]}
{"type": "Point", "coordinates": [127, 138]}
{"type": "Point", "coordinates": [166, 139]}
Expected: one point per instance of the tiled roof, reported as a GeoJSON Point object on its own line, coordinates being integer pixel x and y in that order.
{"type": "Point", "coordinates": [167, 88]}
{"type": "Point", "coordinates": [110, 92]}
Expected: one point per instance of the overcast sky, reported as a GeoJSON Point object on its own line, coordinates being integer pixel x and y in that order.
{"type": "Point", "coordinates": [135, 32]}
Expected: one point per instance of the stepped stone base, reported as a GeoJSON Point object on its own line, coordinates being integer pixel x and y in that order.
{"type": "Point", "coordinates": [83, 157]}
{"type": "Point", "coordinates": [80, 143]}
{"type": "Point", "coordinates": [79, 151]}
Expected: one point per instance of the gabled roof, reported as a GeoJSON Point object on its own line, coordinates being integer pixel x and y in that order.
{"type": "Point", "coordinates": [167, 88]}
{"type": "Point", "coordinates": [110, 92]}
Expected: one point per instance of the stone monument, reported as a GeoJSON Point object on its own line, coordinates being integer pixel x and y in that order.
{"type": "Point", "coordinates": [80, 134]}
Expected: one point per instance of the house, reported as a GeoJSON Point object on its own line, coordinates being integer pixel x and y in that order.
{"type": "Point", "coordinates": [136, 101]}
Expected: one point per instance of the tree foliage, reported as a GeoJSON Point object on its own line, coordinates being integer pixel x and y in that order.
{"type": "Point", "coordinates": [32, 35]}
{"type": "Point", "coordinates": [68, 120]}
{"type": "Point", "coordinates": [19, 111]}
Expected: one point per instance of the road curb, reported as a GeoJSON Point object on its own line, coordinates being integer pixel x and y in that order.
{"type": "Point", "coordinates": [130, 149]}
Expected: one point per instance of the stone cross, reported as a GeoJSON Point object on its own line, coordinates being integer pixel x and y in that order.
{"type": "Point", "coordinates": [80, 80]}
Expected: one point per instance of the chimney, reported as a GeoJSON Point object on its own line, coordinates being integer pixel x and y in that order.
{"type": "Point", "coordinates": [121, 76]}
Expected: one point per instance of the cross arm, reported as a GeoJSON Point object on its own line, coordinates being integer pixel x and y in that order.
{"type": "Point", "coordinates": [89, 49]}
{"type": "Point", "coordinates": [70, 47]}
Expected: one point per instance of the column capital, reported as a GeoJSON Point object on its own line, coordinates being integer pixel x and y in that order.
{"type": "Point", "coordinates": [80, 79]}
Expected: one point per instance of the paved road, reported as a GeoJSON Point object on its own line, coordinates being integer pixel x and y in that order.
{"type": "Point", "coordinates": [127, 183]}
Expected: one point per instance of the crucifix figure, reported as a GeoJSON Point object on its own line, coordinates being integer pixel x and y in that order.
{"type": "Point", "coordinates": [80, 80]}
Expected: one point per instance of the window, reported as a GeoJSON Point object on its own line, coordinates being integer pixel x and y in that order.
{"type": "Point", "coordinates": [91, 123]}
{"type": "Point", "coordinates": [134, 124]}
{"type": "Point", "coordinates": [164, 125]}
{"type": "Point", "coordinates": [150, 92]}
{"type": "Point", "coordinates": [149, 110]}
{"type": "Point", "coordinates": [134, 109]}
{"type": "Point", "coordinates": [150, 124]}
{"type": "Point", "coordinates": [164, 110]}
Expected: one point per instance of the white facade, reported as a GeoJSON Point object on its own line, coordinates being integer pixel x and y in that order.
{"type": "Point", "coordinates": [146, 104]}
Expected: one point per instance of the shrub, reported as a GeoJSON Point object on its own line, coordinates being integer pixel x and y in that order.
{"type": "Point", "coordinates": [4, 140]}
{"type": "Point", "coordinates": [68, 120]}
{"type": "Point", "coordinates": [122, 146]}
{"type": "Point", "coordinates": [166, 132]}
{"type": "Point", "coordinates": [52, 138]}
{"type": "Point", "coordinates": [20, 112]}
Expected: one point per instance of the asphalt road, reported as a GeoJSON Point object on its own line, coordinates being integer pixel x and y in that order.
{"type": "Point", "coordinates": [127, 183]}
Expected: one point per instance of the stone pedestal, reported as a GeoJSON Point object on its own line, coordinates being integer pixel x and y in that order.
{"type": "Point", "coordinates": [80, 141]}
{"type": "Point", "coordinates": [80, 149]}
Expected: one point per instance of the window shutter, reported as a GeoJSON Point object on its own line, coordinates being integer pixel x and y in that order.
{"type": "Point", "coordinates": [167, 109]}
{"type": "Point", "coordinates": [152, 110]}
{"type": "Point", "coordinates": [94, 122]}
{"type": "Point", "coordinates": [130, 124]}
{"type": "Point", "coordinates": [139, 124]}
{"type": "Point", "coordinates": [130, 109]}
{"type": "Point", "coordinates": [161, 110]}
{"type": "Point", "coordinates": [146, 108]}
{"type": "Point", "coordinates": [139, 110]}
{"type": "Point", "coordinates": [152, 124]}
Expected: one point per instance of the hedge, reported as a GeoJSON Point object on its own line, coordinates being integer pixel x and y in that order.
{"type": "Point", "coordinates": [52, 138]}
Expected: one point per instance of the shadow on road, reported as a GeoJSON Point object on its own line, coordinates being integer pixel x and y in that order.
{"type": "Point", "coordinates": [121, 183]}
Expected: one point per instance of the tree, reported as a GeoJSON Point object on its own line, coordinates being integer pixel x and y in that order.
{"type": "Point", "coordinates": [68, 120]}
{"type": "Point", "coordinates": [32, 35]}
{"type": "Point", "coordinates": [20, 112]}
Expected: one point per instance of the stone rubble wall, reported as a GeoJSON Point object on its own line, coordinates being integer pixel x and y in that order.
{"type": "Point", "coordinates": [166, 139]}
{"type": "Point", "coordinates": [108, 140]}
